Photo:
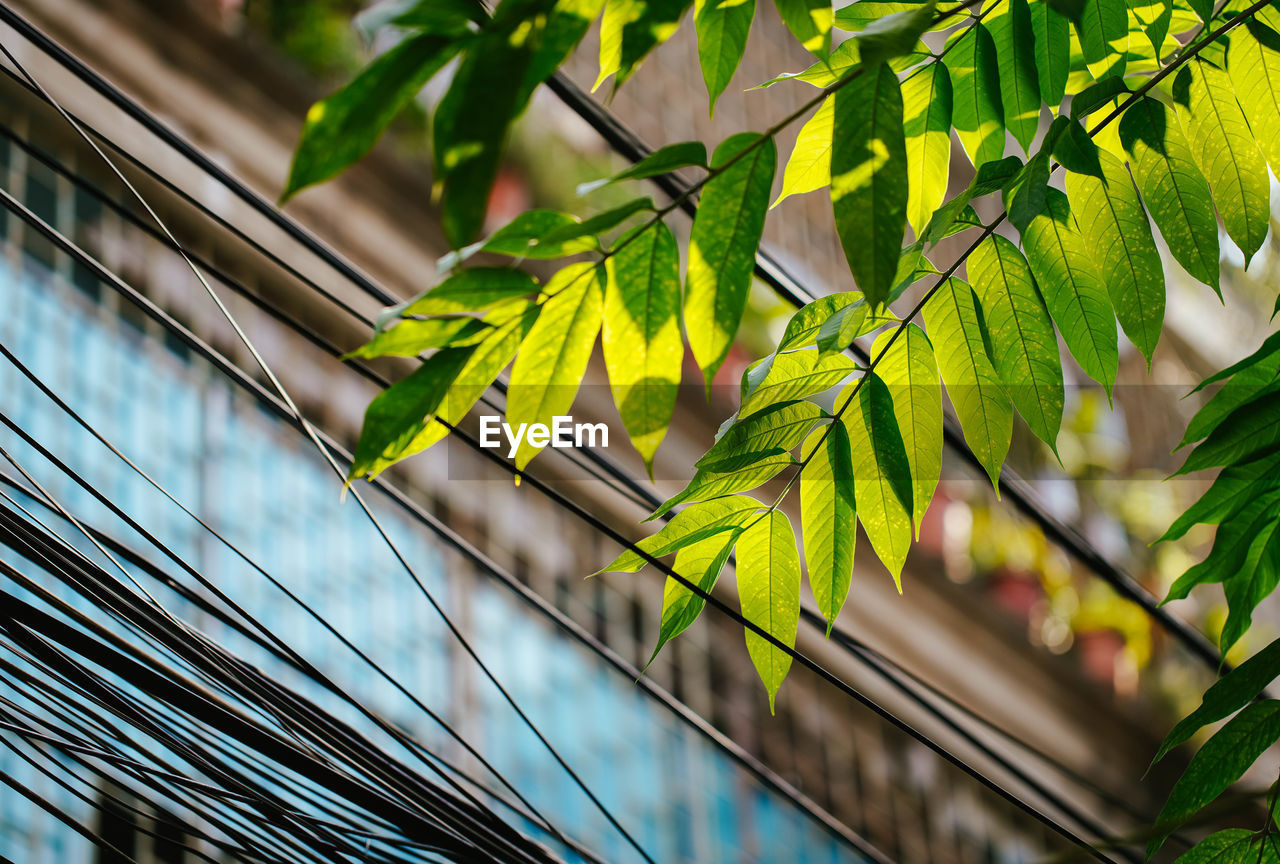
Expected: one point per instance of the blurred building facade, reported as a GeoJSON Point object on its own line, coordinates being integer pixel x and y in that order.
{"type": "Point", "coordinates": [258, 482]}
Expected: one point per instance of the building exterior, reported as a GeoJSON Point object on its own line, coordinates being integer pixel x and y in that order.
{"type": "Point", "coordinates": [264, 488]}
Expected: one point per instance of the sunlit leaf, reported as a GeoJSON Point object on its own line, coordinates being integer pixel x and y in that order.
{"type": "Point", "coordinates": [1117, 232]}
{"type": "Point", "coordinates": [551, 363]}
{"type": "Point", "coordinates": [472, 290]}
{"type": "Point", "coordinates": [981, 402]}
{"type": "Point", "coordinates": [1233, 489]}
{"type": "Point", "coordinates": [1104, 31]}
{"type": "Point", "coordinates": [978, 113]}
{"type": "Point", "coordinates": [1024, 346]}
{"type": "Point", "coordinates": [1066, 270]}
{"type": "Point", "coordinates": [410, 338]}
{"type": "Point", "coordinates": [1172, 187]}
{"type": "Point", "coordinates": [1053, 51]}
{"type": "Point", "coordinates": [1010, 26]}
{"type": "Point", "coordinates": [775, 427]}
{"type": "Point", "coordinates": [664, 160]}
{"type": "Point", "coordinates": [722, 246]}
{"type": "Point", "coordinates": [809, 167]}
{"type": "Point", "coordinates": [728, 476]}
{"type": "Point", "coordinates": [910, 372]}
{"type": "Point", "coordinates": [809, 21]}
{"type": "Point", "coordinates": [630, 29]}
{"type": "Point", "coordinates": [769, 591]}
{"type": "Point", "coordinates": [827, 518]}
{"type": "Point", "coordinates": [1254, 68]}
{"type": "Point", "coordinates": [802, 329]}
{"type": "Point", "coordinates": [926, 106]}
{"type": "Point", "coordinates": [1250, 429]}
{"type": "Point", "coordinates": [643, 347]}
{"type": "Point", "coordinates": [794, 375]}
{"type": "Point", "coordinates": [701, 563]}
{"type": "Point", "coordinates": [723, 26]}
{"type": "Point", "coordinates": [693, 524]}
{"type": "Point", "coordinates": [869, 179]}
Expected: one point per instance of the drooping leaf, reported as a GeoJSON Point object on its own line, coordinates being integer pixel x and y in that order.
{"type": "Point", "coordinates": [472, 290]}
{"type": "Point", "coordinates": [1173, 187]}
{"type": "Point", "coordinates": [1237, 546]}
{"type": "Point", "coordinates": [991, 177]}
{"type": "Point", "coordinates": [1227, 695]}
{"type": "Point", "coordinates": [881, 474]}
{"type": "Point", "coordinates": [846, 324]}
{"type": "Point", "coordinates": [981, 402]}
{"type": "Point", "coordinates": [802, 329]}
{"type": "Point", "coordinates": [664, 160]}
{"type": "Point", "coordinates": [809, 167]}
{"type": "Point", "coordinates": [1253, 582]}
{"type": "Point", "coordinates": [1269, 349]}
{"type": "Point", "coordinates": [809, 21]}
{"type": "Point", "coordinates": [630, 29]}
{"type": "Point", "coordinates": [1244, 386]}
{"type": "Point", "coordinates": [827, 518]}
{"type": "Point", "coordinates": [1155, 17]}
{"type": "Point", "coordinates": [454, 17]}
{"type": "Point", "coordinates": [1116, 229]}
{"type": "Point", "coordinates": [769, 593]}
{"type": "Point", "coordinates": [978, 113]}
{"type": "Point", "coordinates": [723, 26]}
{"type": "Point", "coordinates": [1104, 31]}
{"type": "Point", "coordinates": [410, 338]}
{"type": "Point", "coordinates": [869, 179]}
{"type": "Point", "coordinates": [1255, 76]}
{"type": "Point", "coordinates": [926, 106]}
{"type": "Point", "coordinates": [1025, 196]}
{"type": "Point", "coordinates": [722, 246]}
{"type": "Point", "coordinates": [693, 524]}
{"type": "Point", "coordinates": [396, 415]}
{"type": "Point", "coordinates": [1025, 348]}
{"type": "Point", "coordinates": [592, 226]}
{"type": "Point", "coordinates": [343, 127]}
{"type": "Point", "coordinates": [701, 563]}
{"type": "Point", "coordinates": [1235, 487]}
{"type": "Point", "coordinates": [729, 476]}
{"type": "Point", "coordinates": [794, 375]}
{"type": "Point", "coordinates": [643, 347]}
{"type": "Point", "coordinates": [895, 35]}
{"type": "Point", "coordinates": [1250, 429]}
{"type": "Point", "coordinates": [1076, 151]}
{"type": "Point", "coordinates": [1053, 51]}
{"type": "Point", "coordinates": [1065, 269]}
{"type": "Point", "coordinates": [553, 359]}
{"type": "Point", "coordinates": [1227, 154]}
{"type": "Point", "coordinates": [565, 25]}
{"type": "Point", "coordinates": [776, 427]}
{"type": "Point", "coordinates": [1010, 26]}
{"type": "Point", "coordinates": [910, 372]}
{"type": "Point", "coordinates": [1219, 763]}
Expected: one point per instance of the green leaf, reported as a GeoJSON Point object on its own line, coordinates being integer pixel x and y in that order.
{"type": "Point", "coordinates": [802, 329]}
{"type": "Point", "coordinates": [1104, 31]}
{"type": "Point", "coordinates": [978, 115]}
{"type": "Point", "coordinates": [1155, 17]}
{"type": "Point", "coordinates": [1025, 196]}
{"type": "Point", "coordinates": [729, 476]}
{"type": "Point", "coordinates": [827, 518]}
{"type": "Point", "coordinates": [1237, 546]}
{"type": "Point", "coordinates": [1053, 52]}
{"type": "Point", "coordinates": [981, 402]}
{"type": "Point", "coordinates": [1269, 349]}
{"type": "Point", "coordinates": [1253, 582]}
{"type": "Point", "coordinates": [1227, 695]}
{"type": "Point", "coordinates": [1025, 348]}
{"type": "Point", "coordinates": [468, 144]}
{"type": "Point", "coordinates": [1245, 386]}
{"type": "Point", "coordinates": [396, 415]}
{"type": "Point", "coordinates": [809, 21]}
{"type": "Point", "coordinates": [881, 473]}
{"type": "Point", "coordinates": [826, 71]}
{"type": "Point", "coordinates": [565, 25]}
{"type": "Point", "coordinates": [809, 167]}
{"type": "Point", "coordinates": [869, 179]}
{"type": "Point", "coordinates": [846, 324]}
{"type": "Point", "coordinates": [1232, 490]}
{"type": "Point", "coordinates": [433, 16]}
{"type": "Point", "coordinates": [1076, 151]}
{"type": "Point", "coordinates": [343, 127]}
{"type": "Point", "coordinates": [1219, 763]}
{"type": "Point", "coordinates": [629, 31]}
{"type": "Point", "coordinates": [1227, 154]}
{"type": "Point", "coordinates": [991, 177]}
{"type": "Point", "coordinates": [664, 160]}
{"type": "Point", "coordinates": [776, 427]}
{"type": "Point", "coordinates": [1173, 187]}
{"type": "Point", "coordinates": [723, 26]}
{"type": "Point", "coordinates": [1255, 76]}
{"type": "Point", "coordinates": [910, 372]}
{"type": "Point", "coordinates": [1231, 846]}
{"type": "Point", "coordinates": [643, 347]}
{"type": "Point", "coordinates": [525, 237]}
{"type": "Point", "coordinates": [1095, 96]}
{"type": "Point", "coordinates": [1069, 9]}
{"type": "Point", "coordinates": [693, 524]}
{"type": "Point", "coordinates": [1116, 229]}
{"type": "Point", "coordinates": [769, 592]}
{"type": "Point", "coordinates": [553, 359]}
{"type": "Point", "coordinates": [795, 375]}
{"type": "Point", "coordinates": [1010, 26]}
{"type": "Point", "coordinates": [895, 35]}
{"type": "Point", "coordinates": [593, 226]}
{"type": "Point", "coordinates": [722, 246]}
{"type": "Point", "coordinates": [1251, 429]}
{"type": "Point", "coordinates": [488, 359]}
{"type": "Point", "coordinates": [700, 563]}
{"type": "Point", "coordinates": [926, 105]}
{"type": "Point", "coordinates": [472, 290]}
{"type": "Point", "coordinates": [1065, 269]}
{"type": "Point", "coordinates": [411, 338]}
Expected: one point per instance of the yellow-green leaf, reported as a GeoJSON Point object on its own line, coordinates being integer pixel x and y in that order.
{"type": "Point", "coordinates": [981, 402]}
{"type": "Point", "coordinates": [1053, 52]}
{"type": "Point", "coordinates": [630, 29]}
{"type": "Point", "coordinates": [1254, 68]}
{"type": "Point", "coordinates": [769, 592]}
{"type": "Point", "coordinates": [642, 343]}
{"type": "Point", "coordinates": [722, 246]}
{"type": "Point", "coordinates": [701, 563]}
{"type": "Point", "coordinates": [553, 359]}
{"type": "Point", "coordinates": [1009, 23]}
{"type": "Point", "coordinates": [978, 114]}
{"type": "Point", "coordinates": [693, 524]}
{"type": "Point", "coordinates": [809, 21]}
{"type": "Point", "coordinates": [827, 517]}
{"type": "Point", "coordinates": [728, 476]}
{"type": "Point", "coordinates": [722, 27]}
{"type": "Point", "coordinates": [926, 112]}
{"type": "Point", "coordinates": [794, 375]}
{"type": "Point", "coordinates": [910, 372]}
{"type": "Point", "coordinates": [809, 167]}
